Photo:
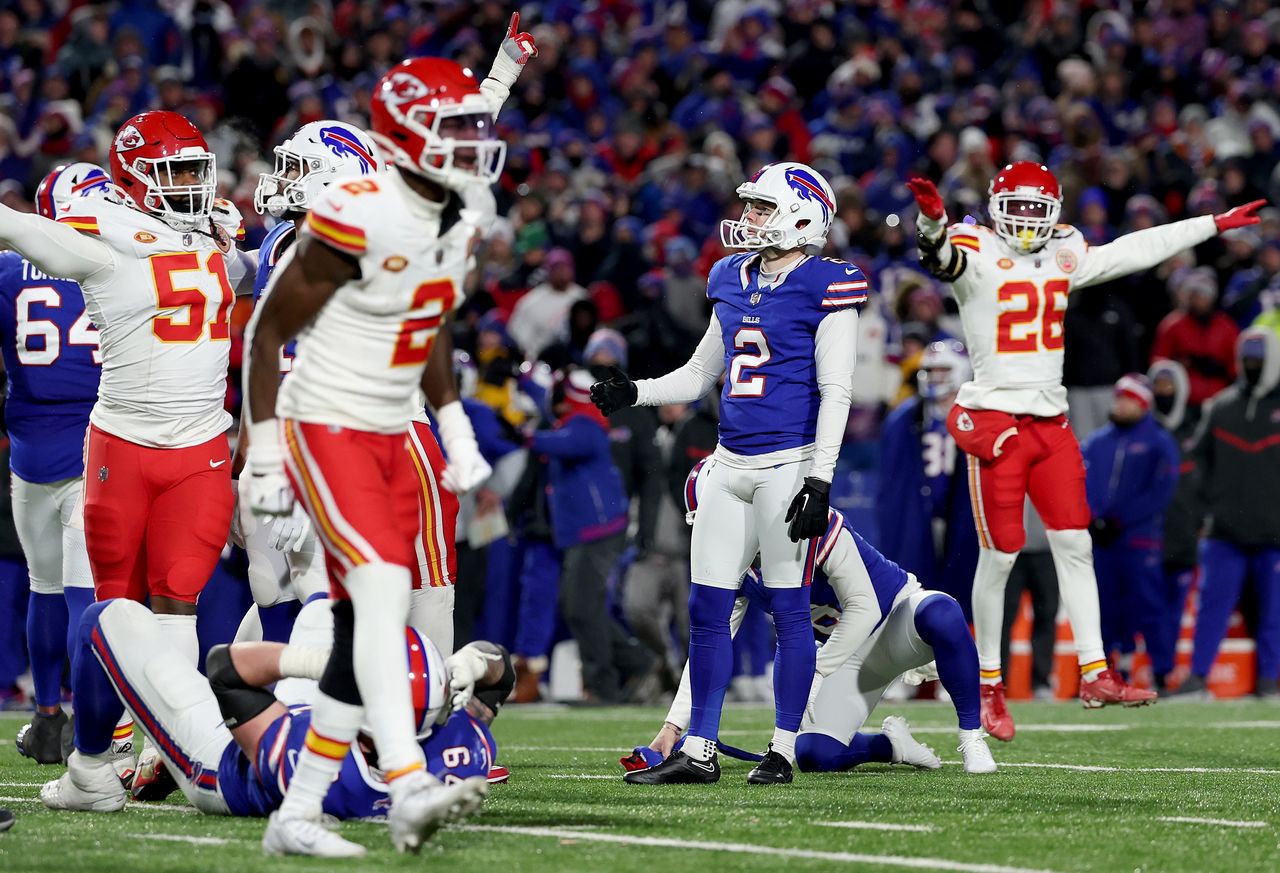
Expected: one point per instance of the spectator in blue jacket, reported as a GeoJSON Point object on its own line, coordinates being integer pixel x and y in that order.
{"type": "Point", "coordinates": [1131, 473]}
{"type": "Point", "coordinates": [588, 521]}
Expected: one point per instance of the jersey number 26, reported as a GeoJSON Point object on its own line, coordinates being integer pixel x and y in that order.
{"type": "Point", "coordinates": [1037, 325]}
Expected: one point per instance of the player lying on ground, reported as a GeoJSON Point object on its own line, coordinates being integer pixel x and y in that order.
{"type": "Point", "coordinates": [873, 623]}
{"type": "Point", "coordinates": [1012, 282]}
{"type": "Point", "coordinates": [232, 745]}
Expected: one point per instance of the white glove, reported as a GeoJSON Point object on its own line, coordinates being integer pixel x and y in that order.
{"type": "Point", "coordinates": [269, 490]}
{"type": "Point", "coordinates": [813, 697]}
{"type": "Point", "coordinates": [517, 50]}
{"type": "Point", "coordinates": [466, 468]}
{"type": "Point", "coordinates": [467, 666]}
{"type": "Point", "coordinates": [288, 532]}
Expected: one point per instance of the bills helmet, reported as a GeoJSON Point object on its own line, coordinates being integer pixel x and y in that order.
{"type": "Point", "coordinates": [429, 117]}
{"type": "Point", "coordinates": [309, 160]}
{"type": "Point", "coordinates": [802, 205]}
{"type": "Point", "coordinates": [150, 157]}
{"type": "Point", "coordinates": [1024, 205]}
{"type": "Point", "coordinates": [944, 367]}
{"type": "Point", "coordinates": [68, 182]}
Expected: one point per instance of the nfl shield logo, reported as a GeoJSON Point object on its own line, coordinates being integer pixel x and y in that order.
{"type": "Point", "coordinates": [186, 239]}
{"type": "Point", "coordinates": [102, 474]}
{"type": "Point", "coordinates": [755, 297]}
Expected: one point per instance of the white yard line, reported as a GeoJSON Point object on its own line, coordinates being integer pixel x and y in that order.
{"type": "Point", "coordinates": [875, 826]}
{"type": "Point", "coordinates": [1098, 768]}
{"type": "Point", "coordinates": [749, 849]}
{"type": "Point", "coordinates": [136, 807]}
{"type": "Point", "coordinates": [579, 776]}
{"type": "Point", "coordinates": [1220, 822]}
{"type": "Point", "coordinates": [179, 838]}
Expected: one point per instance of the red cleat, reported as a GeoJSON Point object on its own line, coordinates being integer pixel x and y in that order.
{"type": "Point", "coordinates": [1110, 687]}
{"type": "Point", "coordinates": [996, 719]}
{"type": "Point", "coordinates": [498, 774]}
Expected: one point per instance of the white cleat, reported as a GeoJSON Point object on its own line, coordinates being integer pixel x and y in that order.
{"type": "Point", "coordinates": [427, 805]}
{"type": "Point", "coordinates": [977, 757]}
{"type": "Point", "coordinates": [301, 836]}
{"type": "Point", "coordinates": [87, 786]}
{"type": "Point", "coordinates": [906, 748]}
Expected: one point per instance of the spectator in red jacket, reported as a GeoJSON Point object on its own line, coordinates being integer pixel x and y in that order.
{"type": "Point", "coordinates": [1199, 336]}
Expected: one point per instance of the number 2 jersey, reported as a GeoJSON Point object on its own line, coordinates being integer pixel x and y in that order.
{"type": "Point", "coordinates": [52, 361]}
{"type": "Point", "coordinates": [1012, 305]}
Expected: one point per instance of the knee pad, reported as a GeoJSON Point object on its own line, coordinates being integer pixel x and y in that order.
{"type": "Point", "coordinates": [819, 753]}
{"type": "Point", "coordinates": [238, 700]}
{"type": "Point", "coordinates": [339, 679]}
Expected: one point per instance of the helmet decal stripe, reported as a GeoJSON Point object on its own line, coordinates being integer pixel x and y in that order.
{"type": "Point", "coordinates": [46, 206]}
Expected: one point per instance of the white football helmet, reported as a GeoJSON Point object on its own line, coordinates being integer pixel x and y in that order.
{"type": "Point", "coordinates": [309, 160]}
{"type": "Point", "coordinates": [803, 206]}
{"type": "Point", "coordinates": [68, 182]}
{"type": "Point", "coordinates": [944, 367]}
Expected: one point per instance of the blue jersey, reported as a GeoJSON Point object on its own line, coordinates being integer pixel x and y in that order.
{"type": "Point", "coordinates": [938, 454]}
{"type": "Point", "coordinates": [53, 362]}
{"type": "Point", "coordinates": [460, 748]}
{"type": "Point", "coordinates": [770, 397]}
{"type": "Point", "coordinates": [274, 245]}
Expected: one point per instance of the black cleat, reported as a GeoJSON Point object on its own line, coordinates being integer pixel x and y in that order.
{"type": "Point", "coordinates": [6, 820]}
{"type": "Point", "coordinates": [679, 769]}
{"type": "Point", "coordinates": [773, 770]}
{"type": "Point", "coordinates": [42, 739]}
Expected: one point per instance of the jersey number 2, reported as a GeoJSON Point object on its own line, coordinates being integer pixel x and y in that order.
{"type": "Point", "coordinates": [190, 329]}
{"type": "Point", "coordinates": [417, 335]}
{"type": "Point", "coordinates": [82, 333]}
{"type": "Point", "coordinates": [751, 386]}
{"type": "Point", "coordinates": [1037, 325]}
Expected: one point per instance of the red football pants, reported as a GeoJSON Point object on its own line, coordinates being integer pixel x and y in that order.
{"type": "Point", "coordinates": [361, 491]}
{"type": "Point", "coordinates": [438, 510]}
{"type": "Point", "coordinates": [1043, 461]}
{"type": "Point", "coordinates": [155, 520]}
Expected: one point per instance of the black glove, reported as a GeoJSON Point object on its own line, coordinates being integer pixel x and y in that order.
{"type": "Point", "coordinates": [1104, 531]}
{"type": "Point", "coordinates": [807, 515]}
{"type": "Point", "coordinates": [616, 392]}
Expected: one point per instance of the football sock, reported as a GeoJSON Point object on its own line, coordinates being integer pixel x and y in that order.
{"type": "Point", "coordinates": [334, 726]}
{"type": "Point", "coordinates": [988, 609]}
{"type": "Point", "coordinates": [47, 645]}
{"type": "Point", "coordinates": [710, 657]}
{"type": "Point", "coordinates": [380, 598]}
{"type": "Point", "coordinates": [78, 600]}
{"type": "Point", "coordinates": [180, 632]}
{"type": "Point", "coordinates": [1072, 552]}
{"type": "Point", "coordinates": [277, 620]}
{"type": "Point", "coordinates": [793, 664]}
{"type": "Point", "coordinates": [98, 709]}
{"type": "Point", "coordinates": [940, 623]}
{"type": "Point", "coordinates": [431, 612]}
{"type": "Point", "coordinates": [819, 753]}
{"type": "Point", "coordinates": [698, 748]}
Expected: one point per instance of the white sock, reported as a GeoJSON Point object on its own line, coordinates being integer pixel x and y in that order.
{"type": "Point", "coordinates": [1078, 587]}
{"type": "Point", "coordinates": [698, 748]}
{"type": "Point", "coordinates": [180, 632]}
{"type": "Point", "coordinates": [784, 743]}
{"type": "Point", "coordinates": [988, 609]}
{"type": "Point", "coordinates": [334, 725]}
{"type": "Point", "coordinates": [431, 613]}
{"type": "Point", "coordinates": [380, 596]}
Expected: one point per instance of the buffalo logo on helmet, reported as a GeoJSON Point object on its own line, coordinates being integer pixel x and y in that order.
{"type": "Point", "coordinates": [342, 143]}
{"type": "Point", "coordinates": [809, 188]}
{"type": "Point", "coordinates": [1066, 260]}
{"type": "Point", "coordinates": [129, 138]}
{"type": "Point", "coordinates": [402, 88]}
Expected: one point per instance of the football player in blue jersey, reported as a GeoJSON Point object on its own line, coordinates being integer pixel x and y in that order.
{"type": "Point", "coordinates": [232, 744]}
{"type": "Point", "coordinates": [52, 360]}
{"type": "Point", "coordinates": [783, 329]}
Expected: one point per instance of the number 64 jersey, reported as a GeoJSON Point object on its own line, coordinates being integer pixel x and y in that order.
{"type": "Point", "coordinates": [1012, 305]}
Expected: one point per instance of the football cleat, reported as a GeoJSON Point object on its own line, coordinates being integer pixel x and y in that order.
{"type": "Point", "coordinates": [906, 748]}
{"type": "Point", "coordinates": [995, 715]}
{"type": "Point", "coordinates": [1110, 687]}
{"type": "Point", "coordinates": [424, 808]}
{"type": "Point", "coordinates": [87, 786]}
{"type": "Point", "coordinates": [498, 774]}
{"type": "Point", "coordinates": [300, 836]}
{"type": "Point", "coordinates": [679, 769]}
{"type": "Point", "coordinates": [41, 738]}
{"type": "Point", "coordinates": [6, 820]}
{"type": "Point", "coordinates": [773, 770]}
{"type": "Point", "coordinates": [1192, 688]}
{"type": "Point", "coordinates": [977, 757]}
{"type": "Point", "coordinates": [152, 781]}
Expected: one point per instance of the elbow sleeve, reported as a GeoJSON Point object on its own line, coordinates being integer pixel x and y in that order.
{"type": "Point", "coordinates": [238, 701]}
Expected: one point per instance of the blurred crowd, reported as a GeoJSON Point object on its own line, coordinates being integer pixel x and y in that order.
{"type": "Point", "coordinates": [627, 138]}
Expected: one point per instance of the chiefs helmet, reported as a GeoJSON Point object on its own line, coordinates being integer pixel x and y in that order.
{"type": "Point", "coordinates": [944, 367]}
{"type": "Point", "coordinates": [1024, 204]}
{"type": "Point", "coordinates": [68, 182]}
{"type": "Point", "coordinates": [429, 117]}
{"type": "Point", "coordinates": [306, 162]}
{"type": "Point", "coordinates": [150, 154]}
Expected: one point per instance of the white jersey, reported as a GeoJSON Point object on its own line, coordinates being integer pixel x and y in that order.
{"type": "Point", "coordinates": [358, 364]}
{"type": "Point", "coordinates": [162, 307]}
{"type": "Point", "coordinates": [1012, 305]}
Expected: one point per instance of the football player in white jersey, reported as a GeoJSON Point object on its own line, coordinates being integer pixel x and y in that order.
{"type": "Point", "coordinates": [378, 268]}
{"type": "Point", "coordinates": [1012, 281]}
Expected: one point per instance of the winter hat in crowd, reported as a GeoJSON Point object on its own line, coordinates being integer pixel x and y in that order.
{"type": "Point", "coordinates": [609, 342]}
{"type": "Point", "coordinates": [1136, 387]}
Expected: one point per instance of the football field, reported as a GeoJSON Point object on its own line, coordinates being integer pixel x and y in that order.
{"type": "Point", "coordinates": [1177, 787]}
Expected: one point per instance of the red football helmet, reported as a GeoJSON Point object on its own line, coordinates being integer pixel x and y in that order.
{"type": "Point", "coordinates": [163, 165]}
{"type": "Point", "coordinates": [429, 117]}
{"type": "Point", "coordinates": [1024, 205]}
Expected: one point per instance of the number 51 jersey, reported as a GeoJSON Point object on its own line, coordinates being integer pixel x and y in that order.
{"type": "Point", "coordinates": [359, 362]}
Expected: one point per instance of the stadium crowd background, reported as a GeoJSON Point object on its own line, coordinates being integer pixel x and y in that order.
{"type": "Point", "coordinates": [629, 133]}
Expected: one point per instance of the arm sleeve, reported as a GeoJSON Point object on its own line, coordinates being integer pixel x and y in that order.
{"type": "Point", "coordinates": [694, 379]}
{"type": "Point", "coordinates": [572, 440]}
{"type": "Point", "coordinates": [242, 271]}
{"type": "Point", "coordinates": [836, 353]}
{"type": "Point", "coordinates": [682, 705]}
{"type": "Point", "coordinates": [937, 255]}
{"type": "Point", "coordinates": [860, 611]}
{"type": "Point", "coordinates": [1142, 250]}
{"type": "Point", "coordinates": [55, 248]}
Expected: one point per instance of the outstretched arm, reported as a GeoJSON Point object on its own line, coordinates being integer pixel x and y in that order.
{"type": "Point", "coordinates": [55, 248]}
{"type": "Point", "coordinates": [937, 254]}
{"type": "Point", "coordinates": [693, 380]}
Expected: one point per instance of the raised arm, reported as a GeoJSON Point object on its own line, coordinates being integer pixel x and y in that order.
{"type": "Point", "coordinates": [937, 254]}
{"type": "Point", "coordinates": [55, 248]}
{"type": "Point", "coordinates": [516, 51]}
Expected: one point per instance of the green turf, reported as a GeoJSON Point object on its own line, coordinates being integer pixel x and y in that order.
{"type": "Point", "coordinates": [1023, 817]}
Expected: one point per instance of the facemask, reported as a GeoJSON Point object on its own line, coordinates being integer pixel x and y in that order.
{"type": "Point", "coordinates": [1165, 403]}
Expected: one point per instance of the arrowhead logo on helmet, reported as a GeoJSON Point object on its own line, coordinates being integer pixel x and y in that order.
{"type": "Point", "coordinates": [402, 88]}
{"type": "Point", "coordinates": [129, 139]}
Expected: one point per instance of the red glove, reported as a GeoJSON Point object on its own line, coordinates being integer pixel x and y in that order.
{"type": "Point", "coordinates": [1241, 216]}
{"type": "Point", "coordinates": [927, 197]}
{"type": "Point", "coordinates": [518, 46]}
